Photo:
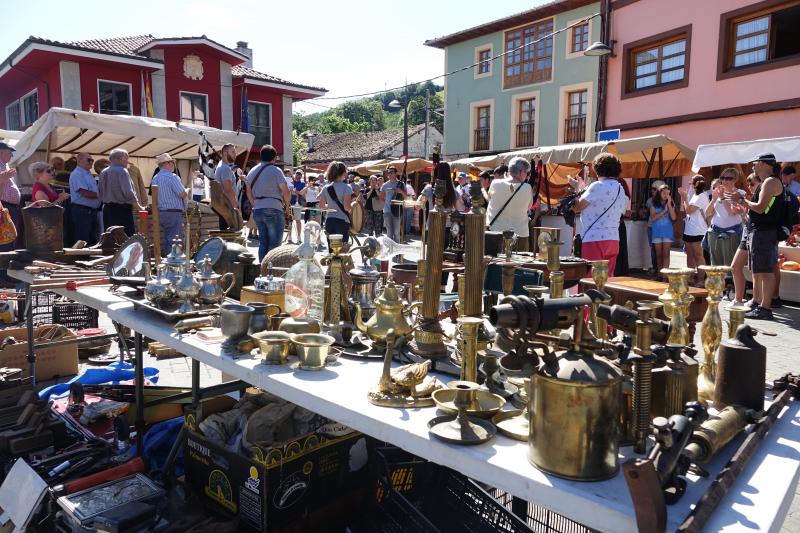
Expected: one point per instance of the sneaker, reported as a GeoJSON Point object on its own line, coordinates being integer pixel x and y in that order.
{"type": "Point", "coordinates": [777, 303]}
{"type": "Point", "coordinates": [759, 313]}
{"type": "Point", "coordinates": [735, 303]}
{"type": "Point", "coordinates": [753, 305]}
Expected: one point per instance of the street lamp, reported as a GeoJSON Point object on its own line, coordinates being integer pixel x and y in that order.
{"type": "Point", "coordinates": [397, 104]}
{"type": "Point", "coordinates": [598, 49]}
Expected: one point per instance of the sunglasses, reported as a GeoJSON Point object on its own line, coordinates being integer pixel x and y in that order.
{"type": "Point", "coordinates": [728, 178]}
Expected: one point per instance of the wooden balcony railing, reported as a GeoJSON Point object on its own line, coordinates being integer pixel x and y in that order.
{"type": "Point", "coordinates": [481, 139]}
{"type": "Point", "coordinates": [575, 129]}
{"type": "Point", "coordinates": [525, 134]}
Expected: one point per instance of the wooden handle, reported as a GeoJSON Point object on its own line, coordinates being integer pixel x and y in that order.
{"type": "Point", "coordinates": [156, 224]}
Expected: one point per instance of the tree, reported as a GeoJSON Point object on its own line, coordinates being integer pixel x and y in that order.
{"type": "Point", "coordinates": [335, 123]}
{"type": "Point", "coordinates": [365, 111]}
{"type": "Point", "coordinates": [298, 145]}
{"type": "Point", "coordinates": [416, 111]}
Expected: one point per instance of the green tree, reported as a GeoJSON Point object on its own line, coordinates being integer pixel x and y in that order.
{"type": "Point", "coordinates": [298, 145]}
{"type": "Point", "coordinates": [335, 123]}
{"type": "Point", "coordinates": [364, 111]}
{"type": "Point", "coordinates": [416, 110]}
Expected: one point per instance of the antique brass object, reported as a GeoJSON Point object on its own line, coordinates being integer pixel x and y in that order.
{"type": "Point", "coordinates": [741, 371]}
{"type": "Point", "coordinates": [390, 313]}
{"type": "Point", "coordinates": [736, 318]}
{"type": "Point", "coordinates": [468, 344]}
{"type": "Point", "coordinates": [536, 291]}
{"type": "Point", "coordinates": [274, 346]}
{"type": "Point", "coordinates": [234, 321]}
{"type": "Point", "coordinates": [553, 255]}
{"type": "Point", "coordinates": [405, 386]}
{"type": "Point", "coordinates": [711, 330]}
{"type": "Point", "coordinates": [642, 361]}
{"type": "Point", "coordinates": [483, 404]}
{"type": "Point", "coordinates": [674, 380]}
{"type": "Point", "coordinates": [212, 290]}
{"type": "Point", "coordinates": [516, 424]}
{"type": "Point", "coordinates": [676, 300]}
{"type": "Point", "coordinates": [294, 325]}
{"type": "Point", "coordinates": [543, 236]}
{"type": "Point", "coordinates": [600, 278]}
{"type": "Point", "coordinates": [335, 263]}
{"type": "Point", "coordinates": [713, 434]}
{"type": "Point", "coordinates": [312, 350]}
{"type": "Point", "coordinates": [461, 428]}
{"type": "Point", "coordinates": [556, 284]}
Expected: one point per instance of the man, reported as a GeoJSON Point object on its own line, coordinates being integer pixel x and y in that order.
{"type": "Point", "coordinates": [117, 193]}
{"type": "Point", "coordinates": [85, 200]}
{"type": "Point", "coordinates": [297, 189]}
{"type": "Point", "coordinates": [509, 199]}
{"type": "Point", "coordinates": [765, 210]}
{"type": "Point", "coordinates": [462, 190]}
{"type": "Point", "coordinates": [409, 211]}
{"type": "Point", "coordinates": [172, 201]}
{"type": "Point", "coordinates": [225, 176]}
{"type": "Point", "coordinates": [391, 190]}
{"type": "Point", "coordinates": [269, 196]}
{"type": "Point", "coordinates": [789, 177]}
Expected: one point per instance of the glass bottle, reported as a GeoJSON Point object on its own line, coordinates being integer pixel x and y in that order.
{"type": "Point", "coordinates": [305, 283]}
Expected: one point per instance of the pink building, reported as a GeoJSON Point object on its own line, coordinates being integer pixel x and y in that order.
{"type": "Point", "coordinates": [704, 71]}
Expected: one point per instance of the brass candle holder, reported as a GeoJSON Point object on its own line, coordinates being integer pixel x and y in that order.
{"type": "Point", "coordinates": [335, 262]}
{"type": "Point", "coordinates": [516, 424]}
{"type": "Point", "coordinates": [461, 428]}
{"type": "Point", "coordinates": [711, 330]}
{"type": "Point", "coordinates": [600, 278]}
{"type": "Point", "coordinates": [542, 236]}
{"type": "Point", "coordinates": [735, 318]}
{"type": "Point", "coordinates": [554, 266]}
{"type": "Point", "coordinates": [468, 344]}
{"type": "Point", "coordinates": [676, 300]}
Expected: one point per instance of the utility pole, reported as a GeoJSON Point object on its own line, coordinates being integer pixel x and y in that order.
{"type": "Point", "coordinates": [427, 120]}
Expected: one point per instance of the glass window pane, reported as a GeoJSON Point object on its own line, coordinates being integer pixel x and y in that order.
{"type": "Point", "coordinates": [752, 26]}
{"type": "Point", "coordinates": [749, 58]}
{"type": "Point", "coordinates": [646, 56]}
{"type": "Point", "coordinates": [649, 68]}
{"type": "Point", "coordinates": [672, 75]}
{"type": "Point", "coordinates": [673, 48]}
{"type": "Point", "coordinates": [672, 62]}
{"type": "Point", "coordinates": [647, 81]}
{"type": "Point", "coordinates": [756, 41]}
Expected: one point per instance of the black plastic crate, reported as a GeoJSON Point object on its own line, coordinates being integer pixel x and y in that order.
{"type": "Point", "coordinates": [539, 518]}
{"type": "Point", "coordinates": [74, 315]}
{"type": "Point", "coordinates": [42, 304]}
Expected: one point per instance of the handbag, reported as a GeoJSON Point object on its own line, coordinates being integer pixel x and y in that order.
{"type": "Point", "coordinates": [8, 231]}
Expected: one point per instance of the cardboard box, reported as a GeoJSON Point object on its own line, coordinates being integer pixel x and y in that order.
{"type": "Point", "coordinates": [52, 362]}
{"type": "Point", "coordinates": [290, 486]}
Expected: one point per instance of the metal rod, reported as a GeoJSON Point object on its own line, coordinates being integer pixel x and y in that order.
{"type": "Point", "coordinates": [195, 383]}
{"type": "Point", "coordinates": [29, 324]}
{"type": "Point", "coordinates": [138, 346]}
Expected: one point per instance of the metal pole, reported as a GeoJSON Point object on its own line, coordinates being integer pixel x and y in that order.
{"type": "Point", "coordinates": [427, 119]}
{"type": "Point", "coordinates": [29, 324]}
{"type": "Point", "coordinates": [195, 383]}
{"type": "Point", "coordinates": [405, 128]}
{"type": "Point", "coordinates": [138, 342]}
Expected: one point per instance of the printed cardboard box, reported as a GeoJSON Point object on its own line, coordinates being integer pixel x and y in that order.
{"type": "Point", "coordinates": [50, 362]}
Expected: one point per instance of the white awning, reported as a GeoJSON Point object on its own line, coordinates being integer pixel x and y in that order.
{"type": "Point", "coordinates": [10, 137]}
{"type": "Point", "coordinates": [709, 155]}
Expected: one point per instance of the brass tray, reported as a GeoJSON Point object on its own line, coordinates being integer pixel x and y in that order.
{"type": "Point", "coordinates": [171, 313]}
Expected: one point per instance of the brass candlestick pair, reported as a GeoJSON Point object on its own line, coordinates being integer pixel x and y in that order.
{"type": "Point", "coordinates": [711, 331]}
{"type": "Point", "coordinates": [676, 300]}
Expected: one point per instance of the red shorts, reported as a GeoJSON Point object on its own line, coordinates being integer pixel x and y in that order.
{"type": "Point", "coordinates": [600, 250]}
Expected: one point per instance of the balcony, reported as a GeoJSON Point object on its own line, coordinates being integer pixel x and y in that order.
{"type": "Point", "coordinates": [575, 129]}
{"type": "Point", "coordinates": [481, 141]}
{"type": "Point", "coordinates": [525, 134]}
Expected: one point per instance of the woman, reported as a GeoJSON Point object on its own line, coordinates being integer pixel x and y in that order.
{"type": "Point", "coordinates": [198, 187]}
{"type": "Point", "coordinates": [374, 207]}
{"type": "Point", "coordinates": [43, 174]}
{"type": "Point", "coordinates": [725, 229]}
{"type": "Point", "coordinates": [338, 196]}
{"type": "Point", "coordinates": [742, 252]}
{"type": "Point", "coordinates": [662, 216]}
{"type": "Point", "coordinates": [695, 225]}
{"type": "Point", "coordinates": [312, 191]}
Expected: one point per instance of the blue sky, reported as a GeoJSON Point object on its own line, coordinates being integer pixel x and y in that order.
{"type": "Point", "coordinates": [346, 46]}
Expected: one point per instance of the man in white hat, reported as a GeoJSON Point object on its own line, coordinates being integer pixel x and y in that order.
{"type": "Point", "coordinates": [172, 200]}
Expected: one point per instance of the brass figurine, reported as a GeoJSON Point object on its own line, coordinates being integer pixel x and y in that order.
{"type": "Point", "coordinates": [404, 386]}
{"type": "Point", "coordinates": [711, 331]}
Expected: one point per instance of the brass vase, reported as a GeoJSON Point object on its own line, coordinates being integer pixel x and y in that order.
{"type": "Point", "coordinates": [711, 330]}
{"type": "Point", "coordinates": [676, 300]}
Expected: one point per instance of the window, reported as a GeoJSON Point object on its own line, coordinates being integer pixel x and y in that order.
{"type": "Point", "coordinates": [529, 61]}
{"type": "Point", "coordinates": [23, 112]}
{"type": "Point", "coordinates": [484, 63]}
{"type": "Point", "coordinates": [483, 128]}
{"type": "Point", "coordinates": [194, 108]}
{"type": "Point", "coordinates": [575, 123]}
{"type": "Point", "coordinates": [260, 118]}
{"type": "Point", "coordinates": [580, 38]}
{"type": "Point", "coordinates": [658, 63]}
{"type": "Point", "coordinates": [526, 123]}
{"type": "Point", "coordinates": [114, 98]}
{"type": "Point", "coordinates": [763, 37]}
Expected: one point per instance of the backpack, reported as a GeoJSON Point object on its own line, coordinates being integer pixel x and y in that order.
{"type": "Point", "coordinates": [790, 216]}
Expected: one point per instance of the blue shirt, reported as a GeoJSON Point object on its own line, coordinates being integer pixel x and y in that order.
{"type": "Point", "coordinates": [224, 172]}
{"type": "Point", "coordinates": [298, 186]}
{"type": "Point", "coordinates": [169, 190]}
{"type": "Point", "coordinates": [80, 178]}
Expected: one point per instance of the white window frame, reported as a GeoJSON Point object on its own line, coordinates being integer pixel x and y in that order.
{"type": "Point", "coordinates": [478, 49]}
{"type": "Point", "coordinates": [473, 118]}
{"type": "Point", "coordinates": [563, 108]}
{"type": "Point", "coordinates": [570, 35]}
{"type": "Point", "coordinates": [14, 104]}
{"type": "Point", "coordinates": [180, 113]}
{"type": "Point", "coordinates": [130, 95]}
{"type": "Point", "coordinates": [270, 116]}
{"type": "Point", "coordinates": [515, 99]}
{"type": "Point", "coordinates": [21, 108]}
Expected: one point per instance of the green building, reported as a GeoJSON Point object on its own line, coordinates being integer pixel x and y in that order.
{"type": "Point", "coordinates": [539, 95]}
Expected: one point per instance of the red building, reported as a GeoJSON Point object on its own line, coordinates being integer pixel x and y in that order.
{"type": "Point", "coordinates": [185, 79]}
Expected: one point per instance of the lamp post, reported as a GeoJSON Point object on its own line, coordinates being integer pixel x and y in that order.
{"type": "Point", "coordinates": [397, 104]}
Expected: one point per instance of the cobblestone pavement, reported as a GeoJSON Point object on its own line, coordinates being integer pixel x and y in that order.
{"type": "Point", "coordinates": [781, 358]}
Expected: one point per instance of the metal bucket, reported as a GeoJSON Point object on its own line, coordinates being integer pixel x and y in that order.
{"type": "Point", "coordinates": [44, 227]}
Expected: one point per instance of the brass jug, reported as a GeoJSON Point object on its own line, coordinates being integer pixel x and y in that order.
{"type": "Point", "coordinates": [574, 417]}
{"type": "Point", "coordinates": [390, 313]}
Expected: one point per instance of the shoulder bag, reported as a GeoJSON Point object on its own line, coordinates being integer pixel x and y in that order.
{"type": "Point", "coordinates": [577, 241]}
{"type": "Point", "coordinates": [8, 231]}
{"type": "Point", "coordinates": [335, 198]}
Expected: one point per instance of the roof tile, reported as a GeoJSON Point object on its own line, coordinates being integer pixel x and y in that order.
{"type": "Point", "coordinates": [353, 146]}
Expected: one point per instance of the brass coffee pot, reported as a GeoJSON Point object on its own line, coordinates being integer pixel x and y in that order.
{"type": "Point", "coordinates": [390, 313]}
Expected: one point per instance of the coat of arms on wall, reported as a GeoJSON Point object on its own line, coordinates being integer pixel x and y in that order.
{"type": "Point", "coordinates": [193, 67]}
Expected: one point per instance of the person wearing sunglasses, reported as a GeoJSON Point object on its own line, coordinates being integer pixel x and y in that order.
{"type": "Point", "coordinates": [43, 173]}
{"type": "Point", "coordinates": [725, 229]}
{"type": "Point", "coordinates": [84, 199]}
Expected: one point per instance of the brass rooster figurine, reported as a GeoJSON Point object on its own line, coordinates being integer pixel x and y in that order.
{"type": "Point", "coordinates": [405, 386]}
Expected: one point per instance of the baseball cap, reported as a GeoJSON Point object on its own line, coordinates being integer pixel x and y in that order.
{"type": "Point", "coordinates": [788, 170]}
{"type": "Point", "coordinates": [656, 184]}
{"type": "Point", "coordinates": [4, 146]}
{"type": "Point", "coordinates": [766, 157]}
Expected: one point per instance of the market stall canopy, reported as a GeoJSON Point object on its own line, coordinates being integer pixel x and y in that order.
{"type": "Point", "coordinates": [67, 131]}
{"type": "Point", "coordinates": [709, 155]}
{"type": "Point", "coordinates": [369, 167]}
{"type": "Point", "coordinates": [485, 162]}
{"type": "Point", "coordinates": [10, 137]}
{"type": "Point", "coordinates": [415, 164]}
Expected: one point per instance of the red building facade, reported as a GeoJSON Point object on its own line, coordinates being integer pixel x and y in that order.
{"type": "Point", "coordinates": [187, 79]}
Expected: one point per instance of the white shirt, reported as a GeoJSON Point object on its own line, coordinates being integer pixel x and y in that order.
{"type": "Point", "coordinates": [696, 222]}
{"type": "Point", "coordinates": [515, 215]}
{"type": "Point", "coordinates": [198, 187]}
{"type": "Point", "coordinates": [722, 218]}
{"type": "Point", "coordinates": [312, 193]}
{"type": "Point", "coordinates": [597, 223]}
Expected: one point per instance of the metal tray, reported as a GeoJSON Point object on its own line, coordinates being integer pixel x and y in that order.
{"type": "Point", "coordinates": [172, 312]}
{"type": "Point", "coordinates": [83, 506]}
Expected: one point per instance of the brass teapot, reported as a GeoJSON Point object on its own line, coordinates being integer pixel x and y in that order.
{"type": "Point", "coordinates": [390, 313]}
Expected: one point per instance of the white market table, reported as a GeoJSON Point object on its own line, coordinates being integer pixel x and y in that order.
{"type": "Point", "coordinates": [759, 499]}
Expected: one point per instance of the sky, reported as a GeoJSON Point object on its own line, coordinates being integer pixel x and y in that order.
{"type": "Point", "coordinates": [347, 46]}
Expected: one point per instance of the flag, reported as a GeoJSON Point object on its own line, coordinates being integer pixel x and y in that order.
{"type": "Point", "coordinates": [147, 97]}
{"type": "Point", "coordinates": [244, 124]}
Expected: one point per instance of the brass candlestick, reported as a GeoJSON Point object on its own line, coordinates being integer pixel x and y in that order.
{"type": "Point", "coordinates": [735, 318]}
{"type": "Point", "coordinates": [554, 266]}
{"type": "Point", "coordinates": [468, 344]}
{"type": "Point", "coordinates": [600, 277]}
{"type": "Point", "coordinates": [711, 331]}
{"type": "Point", "coordinates": [335, 268]}
{"type": "Point", "coordinates": [509, 238]}
{"type": "Point", "coordinates": [420, 285]}
{"type": "Point", "coordinates": [676, 300]}
{"type": "Point", "coordinates": [542, 236]}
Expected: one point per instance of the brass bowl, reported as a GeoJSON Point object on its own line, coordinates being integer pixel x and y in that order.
{"type": "Point", "coordinates": [274, 346]}
{"type": "Point", "coordinates": [485, 404]}
{"type": "Point", "coordinates": [312, 349]}
{"type": "Point", "coordinates": [514, 365]}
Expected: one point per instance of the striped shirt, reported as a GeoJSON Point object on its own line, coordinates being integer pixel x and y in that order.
{"type": "Point", "coordinates": [9, 192]}
{"type": "Point", "coordinates": [116, 186]}
{"type": "Point", "coordinates": [169, 190]}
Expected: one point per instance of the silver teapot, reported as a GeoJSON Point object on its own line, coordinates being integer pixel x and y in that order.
{"type": "Point", "coordinates": [187, 289]}
{"type": "Point", "coordinates": [174, 262]}
{"type": "Point", "coordinates": [158, 290]}
{"type": "Point", "coordinates": [212, 289]}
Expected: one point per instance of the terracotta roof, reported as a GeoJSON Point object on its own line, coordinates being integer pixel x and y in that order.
{"type": "Point", "coordinates": [116, 45]}
{"type": "Point", "coordinates": [245, 72]}
{"type": "Point", "coordinates": [349, 147]}
{"type": "Point", "coordinates": [531, 15]}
